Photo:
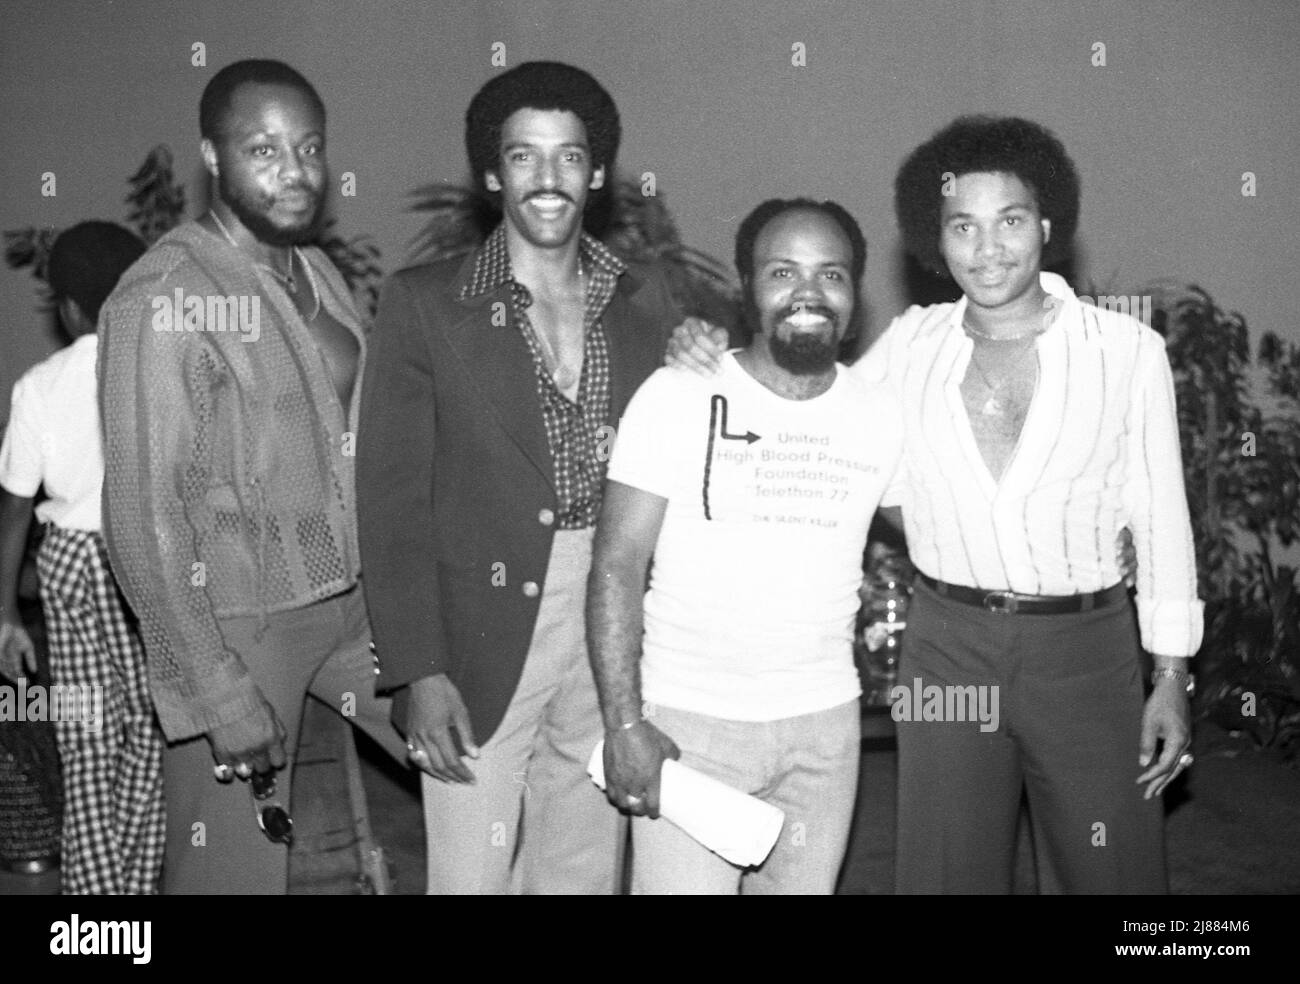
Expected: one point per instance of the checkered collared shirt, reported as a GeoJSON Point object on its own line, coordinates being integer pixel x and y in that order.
{"type": "Point", "coordinates": [572, 429]}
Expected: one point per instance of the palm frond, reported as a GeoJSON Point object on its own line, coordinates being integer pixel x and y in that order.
{"type": "Point", "coordinates": [157, 201]}
{"type": "Point", "coordinates": [357, 259]}
{"type": "Point", "coordinates": [460, 218]}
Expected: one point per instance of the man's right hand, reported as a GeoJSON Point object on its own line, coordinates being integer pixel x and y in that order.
{"type": "Point", "coordinates": [436, 707]}
{"type": "Point", "coordinates": [697, 346]}
{"type": "Point", "coordinates": [634, 758]}
{"type": "Point", "coordinates": [255, 741]}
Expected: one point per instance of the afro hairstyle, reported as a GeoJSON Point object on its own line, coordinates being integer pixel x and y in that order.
{"type": "Point", "coordinates": [540, 85]}
{"type": "Point", "coordinates": [975, 144]}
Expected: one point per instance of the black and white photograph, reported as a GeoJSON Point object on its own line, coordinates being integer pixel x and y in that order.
{"type": "Point", "coordinates": [529, 447]}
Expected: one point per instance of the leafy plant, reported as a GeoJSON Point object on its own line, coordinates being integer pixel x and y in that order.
{"type": "Point", "coordinates": [460, 218]}
{"type": "Point", "coordinates": [157, 201]}
{"type": "Point", "coordinates": [1242, 472]}
{"type": "Point", "coordinates": [30, 247]}
{"type": "Point", "coordinates": [640, 228]}
{"type": "Point", "coordinates": [357, 259]}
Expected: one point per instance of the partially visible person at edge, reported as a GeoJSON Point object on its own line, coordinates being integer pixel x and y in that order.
{"type": "Point", "coordinates": [110, 749]}
{"type": "Point", "coordinates": [229, 507]}
{"type": "Point", "coordinates": [1037, 428]}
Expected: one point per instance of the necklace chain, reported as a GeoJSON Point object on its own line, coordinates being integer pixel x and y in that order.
{"type": "Point", "coordinates": [970, 329]}
{"type": "Point", "coordinates": [996, 388]}
{"type": "Point", "coordinates": [288, 280]}
{"type": "Point", "coordinates": [993, 405]}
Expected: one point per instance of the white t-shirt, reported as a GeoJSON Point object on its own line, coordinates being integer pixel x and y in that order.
{"type": "Point", "coordinates": [53, 438]}
{"type": "Point", "coordinates": [753, 590]}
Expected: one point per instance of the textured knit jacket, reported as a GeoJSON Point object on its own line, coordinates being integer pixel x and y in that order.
{"type": "Point", "coordinates": [455, 485]}
{"type": "Point", "coordinates": [228, 486]}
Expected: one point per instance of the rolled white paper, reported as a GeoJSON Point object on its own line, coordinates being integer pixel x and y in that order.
{"type": "Point", "coordinates": [734, 825]}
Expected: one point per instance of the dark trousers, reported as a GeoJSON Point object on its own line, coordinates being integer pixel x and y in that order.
{"type": "Point", "coordinates": [214, 845]}
{"type": "Point", "coordinates": [1070, 707]}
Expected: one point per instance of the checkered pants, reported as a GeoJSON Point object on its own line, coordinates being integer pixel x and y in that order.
{"type": "Point", "coordinates": [113, 819]}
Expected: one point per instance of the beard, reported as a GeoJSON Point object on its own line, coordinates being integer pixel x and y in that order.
{"type": "Point", "coordinates": [803, 353]}
{"type": "Point", "coordinates": [252, 209]}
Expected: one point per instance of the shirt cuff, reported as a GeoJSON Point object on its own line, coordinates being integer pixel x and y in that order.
{"type": "Point", "coordinates": [1171, 628]}
{"type": "Point", "coordinates": [213, 702]}
{"type": "Point", "coordinates": [24, 488]}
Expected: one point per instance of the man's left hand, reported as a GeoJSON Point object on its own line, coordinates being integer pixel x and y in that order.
{"type": "Point", "coordinates": [1167, 717]}
{"type": "Point", "coordinates": [17, 653]}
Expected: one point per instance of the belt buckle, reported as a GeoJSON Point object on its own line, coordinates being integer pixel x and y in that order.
{"type": "Point", "coordinates": [1001, 602]}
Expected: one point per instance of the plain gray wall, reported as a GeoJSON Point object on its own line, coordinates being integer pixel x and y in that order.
{"type": "Point", "coordinates": [1192, 95]}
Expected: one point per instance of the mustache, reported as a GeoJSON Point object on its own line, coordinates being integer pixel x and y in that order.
{"type": "Point", "coordinates": [312, 193]}
{"type": "Point", "coordinates": [550, 194]}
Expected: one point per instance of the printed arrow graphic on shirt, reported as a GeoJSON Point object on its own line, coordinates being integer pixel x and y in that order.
{"type": "Point", "coordinates": [718, 411]}
{"type": "Point", "coordinates": [718, 428]}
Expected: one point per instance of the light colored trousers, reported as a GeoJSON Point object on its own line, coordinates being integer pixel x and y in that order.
{"type": "Point", "coordinates": [534, 822]}
{"type": "Point", "coordinates": [806, 765]}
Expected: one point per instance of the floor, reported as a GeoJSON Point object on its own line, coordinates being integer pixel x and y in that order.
{"type": "Point", "coordinates": [1231, 826]}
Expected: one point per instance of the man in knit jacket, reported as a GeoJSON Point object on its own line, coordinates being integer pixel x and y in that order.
{"type": "Point", "coordinates": [230, 356]}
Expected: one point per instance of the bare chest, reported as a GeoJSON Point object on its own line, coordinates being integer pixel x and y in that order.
{"type": "Point", "coordinates": [558, 326]}
{"type": "Point", "coordinates": [337, 346]}
{"type": "Point", "coordinates": [998, 389]}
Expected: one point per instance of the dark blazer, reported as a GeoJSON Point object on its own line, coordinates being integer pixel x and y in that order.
{"type": "Point", "coordinates": [456, 491]}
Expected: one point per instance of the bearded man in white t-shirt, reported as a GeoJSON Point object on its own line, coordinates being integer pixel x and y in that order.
{"type": "Point", "coordinates": [752, 492]}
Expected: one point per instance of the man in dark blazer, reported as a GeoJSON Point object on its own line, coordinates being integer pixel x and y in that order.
{"type": "Point", "coordinates": [491, 394]}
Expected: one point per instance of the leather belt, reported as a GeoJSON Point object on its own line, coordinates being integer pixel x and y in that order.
{"type": "Point", "coordinates": [1014, 603]}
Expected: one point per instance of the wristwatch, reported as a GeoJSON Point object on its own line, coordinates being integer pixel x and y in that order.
{"type": "Point", "coordinates": [1188, 680]}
